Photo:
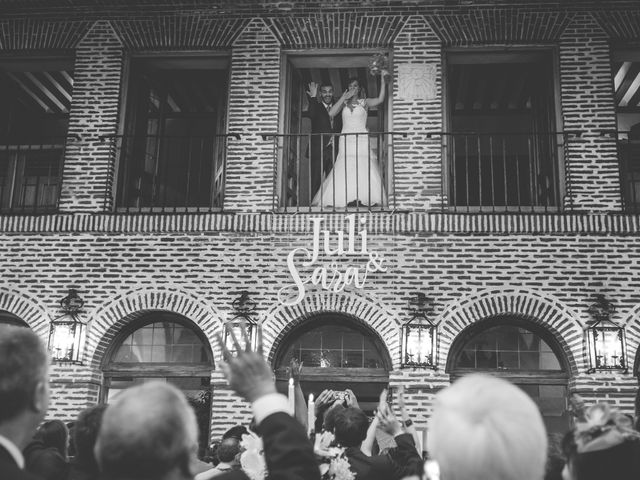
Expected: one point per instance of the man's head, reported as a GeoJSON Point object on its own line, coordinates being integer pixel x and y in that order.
{"type": "Point", "coordinates": [85, 433]}
{"type": "Point", "coordinates": [149, 432]}
{"type": "Point", "coordinates": [228, 450]}
{"type": "Point", "coordinates": [326, 92]}
{"type": "Point", "coordinates": [351, 426]}
{"type": "Point", "coordinates": [24, 382]}
{"type": "Point", "coordinates": [485, 427]}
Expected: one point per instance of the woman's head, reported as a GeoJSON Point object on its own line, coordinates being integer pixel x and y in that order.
{"type": "Point", "coordinates": [602, 445]}
{"type": "Point", "coordinates": [54, 433]}
{"type": "Point", "coordinates": [354, 82]}
{"type": "Point", "coordinates": [485, 427]}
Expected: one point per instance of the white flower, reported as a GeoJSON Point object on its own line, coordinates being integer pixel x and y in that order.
{"type": "Point", "coordinates": [252, 458]}
{"type": "Point", "coordinates": [339, 469]}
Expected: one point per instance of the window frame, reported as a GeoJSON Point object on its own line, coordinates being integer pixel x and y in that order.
{"type": "Point", "coordinates": [40, 61]}
{"type": "Point", "coordinates": [302, 58]}
{"type": "Point", "coordinates": [492, 53]}
{"type": "Point", "coordinates": [219, 59]}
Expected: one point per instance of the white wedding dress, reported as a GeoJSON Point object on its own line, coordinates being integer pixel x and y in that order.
{"type": "Point", "coordinates": [355, 176]}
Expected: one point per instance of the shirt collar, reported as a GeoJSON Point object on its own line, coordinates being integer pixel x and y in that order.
{"type": "Point", "coordinates": [13, 450]}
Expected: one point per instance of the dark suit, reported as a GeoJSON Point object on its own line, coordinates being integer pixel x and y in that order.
{"type": "Point", "coordinates": [403, 461]}
{"type": "Point", "coordinates": [9, 469]}
{"type": "Point", "coordinates": [321, 152]}
{"type": "Point", "coordinates": [287, 451]}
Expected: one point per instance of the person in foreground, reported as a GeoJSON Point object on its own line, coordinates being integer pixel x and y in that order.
{"type": "Point", "coordinates": [603, 445]}
{"type": "Point", "coordinates": [484, 427]}
{"type": "Point", "coordinates": [150, 432]}
{"type": "Point", "coordinates": [24, 396]}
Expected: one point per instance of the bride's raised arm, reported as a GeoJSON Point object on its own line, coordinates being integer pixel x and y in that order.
{"type": "Point", "coordinates": [372, 102]}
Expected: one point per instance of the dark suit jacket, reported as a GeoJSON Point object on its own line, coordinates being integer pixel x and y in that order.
{"type": "Point", "coordinates": [384, 467]}
{"type": "Point", "coordinates": [287, 451]}
{"type": "Point", "coordinates": [321, 153]}
{"type": "Point", "coordinates": [9, 469]}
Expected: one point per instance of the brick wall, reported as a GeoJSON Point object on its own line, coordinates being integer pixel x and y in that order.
{"type": "Point", "coordinates": [591, 167]}
{"type": "Point", "coordinates": [418, 176]}
{"type": "Point", "coordinates": [88, 166]}
{"type": "Point", "coordinates": [548, 277]}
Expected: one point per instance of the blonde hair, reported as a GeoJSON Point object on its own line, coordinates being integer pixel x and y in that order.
{"type": "Point", "coordinates": [487, 428]}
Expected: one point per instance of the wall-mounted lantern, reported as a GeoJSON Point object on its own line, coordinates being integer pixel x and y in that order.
{"type": "Point", "coordinates": [605, 339]}
{"type": "Point", "coordinates": [68, 331]}
{"type": "Point", "coordinates": [243, 315]}
{"type": "Point", "coordinates": [419, 336]}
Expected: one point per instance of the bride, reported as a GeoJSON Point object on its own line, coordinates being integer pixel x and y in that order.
{"type": "Point", "coordinates": [355, 179]}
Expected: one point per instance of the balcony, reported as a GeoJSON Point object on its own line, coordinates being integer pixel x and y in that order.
{"type": "Point", "coordinates": [163, 174]}
{"type": "Point", "coordinates": [364, 182]}
{"type": "Point", "coordinates": [499, 172]}
{"type": "Point", "coordinates": [30, 177]}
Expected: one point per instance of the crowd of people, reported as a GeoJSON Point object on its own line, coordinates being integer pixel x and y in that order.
{"type": "Point", "coordinates": [481, 427]}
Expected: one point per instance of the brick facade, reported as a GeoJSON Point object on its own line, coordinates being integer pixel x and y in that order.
{"type": "Point", "coordinates": [542, 268]}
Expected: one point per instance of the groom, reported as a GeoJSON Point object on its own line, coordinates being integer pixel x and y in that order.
{"type": "Point", "coordinates": [322, 149]}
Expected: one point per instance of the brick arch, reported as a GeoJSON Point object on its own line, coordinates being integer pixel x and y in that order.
{"type": "Point", "coordinates": [110, 318]}
{"type": "Point", "coordinates": [631, 322]}
{"type": "Point", "coordinates": [545, 311]}
{"type": "Point", "coordinates": [371, 313]}
{"type": "Point", "coordinates": [28, 309]}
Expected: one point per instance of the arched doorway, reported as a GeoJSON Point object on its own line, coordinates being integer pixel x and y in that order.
{"type": "Point", "coordinates": [168, 347]}
{"type": "Point", "coordinates": [11, 319]}
{"type": "Point", "coordinates": [338, 352]}
{"type": "Point", "coordinates": [521, 352]}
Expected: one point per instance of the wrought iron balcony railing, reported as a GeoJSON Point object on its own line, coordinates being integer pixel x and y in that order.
{"type": "Point", "coordinates": [162, 173]}
{"type": "Point", "coordinates": [30, 176]}
{"type": "Point", "coordinates": [317, 172]}
{"type": "Point", "coordinates": [502, 172]}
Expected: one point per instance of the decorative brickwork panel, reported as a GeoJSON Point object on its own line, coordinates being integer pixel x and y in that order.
{"type": "Point", "coordinates": [336, 30]}
{"type": "Point", "coordinates": [591, 163]}
{"type": "Point", "coordinates": [32, 34]}
{"type": "Point", "coordinates": [497, 25]}
{"type": "Point", "coordinates": [88, 166]}
{"type": "Point", "coordinates": [623, 25]}
{"type": "Point", "coordinates": [417, 157]}
{"type": "Point", "coordinates": [254, 94]}
{"type": "Point", "coordinates": [178, 31]}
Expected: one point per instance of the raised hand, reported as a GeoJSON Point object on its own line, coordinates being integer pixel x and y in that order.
{"type": "Point", "coordinates": [325, 398]}
{"type": "Point", "coordinates": [388, 421]}
{"type": "Point", "coordinates": [312, 89]}
{"type": "Point", "coordinates": [294, 369]}
{"type": "Point", "coordinates": [248, 374]}
{"type": "Point", "coordinates": [351, 399]}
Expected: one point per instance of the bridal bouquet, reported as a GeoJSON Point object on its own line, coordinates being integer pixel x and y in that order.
{"type": "Point", "coordinates": [332, 460]}
{"type": "Point", "coordinates": [377, 63]}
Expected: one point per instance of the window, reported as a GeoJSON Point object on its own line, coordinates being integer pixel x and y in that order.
{"type": "Point", "coordinates": [524, 354]}
{"type": "Point", "coordinates": [626, 81]}
{"type": "Point", "coordinates": [11, 319]}
{"type": "Point", "coordinates": [36, 97]}
{"type": "Point", "coordinates": [337, 353]}
{"type": "Point", "coordinates": [172, 155]}
{"type": "Point", "coordinates": [167, 347]}
{"type": "Point", "coordinates": [501, 135]}
{"type": "Point", "coordinates": [307, 157]}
